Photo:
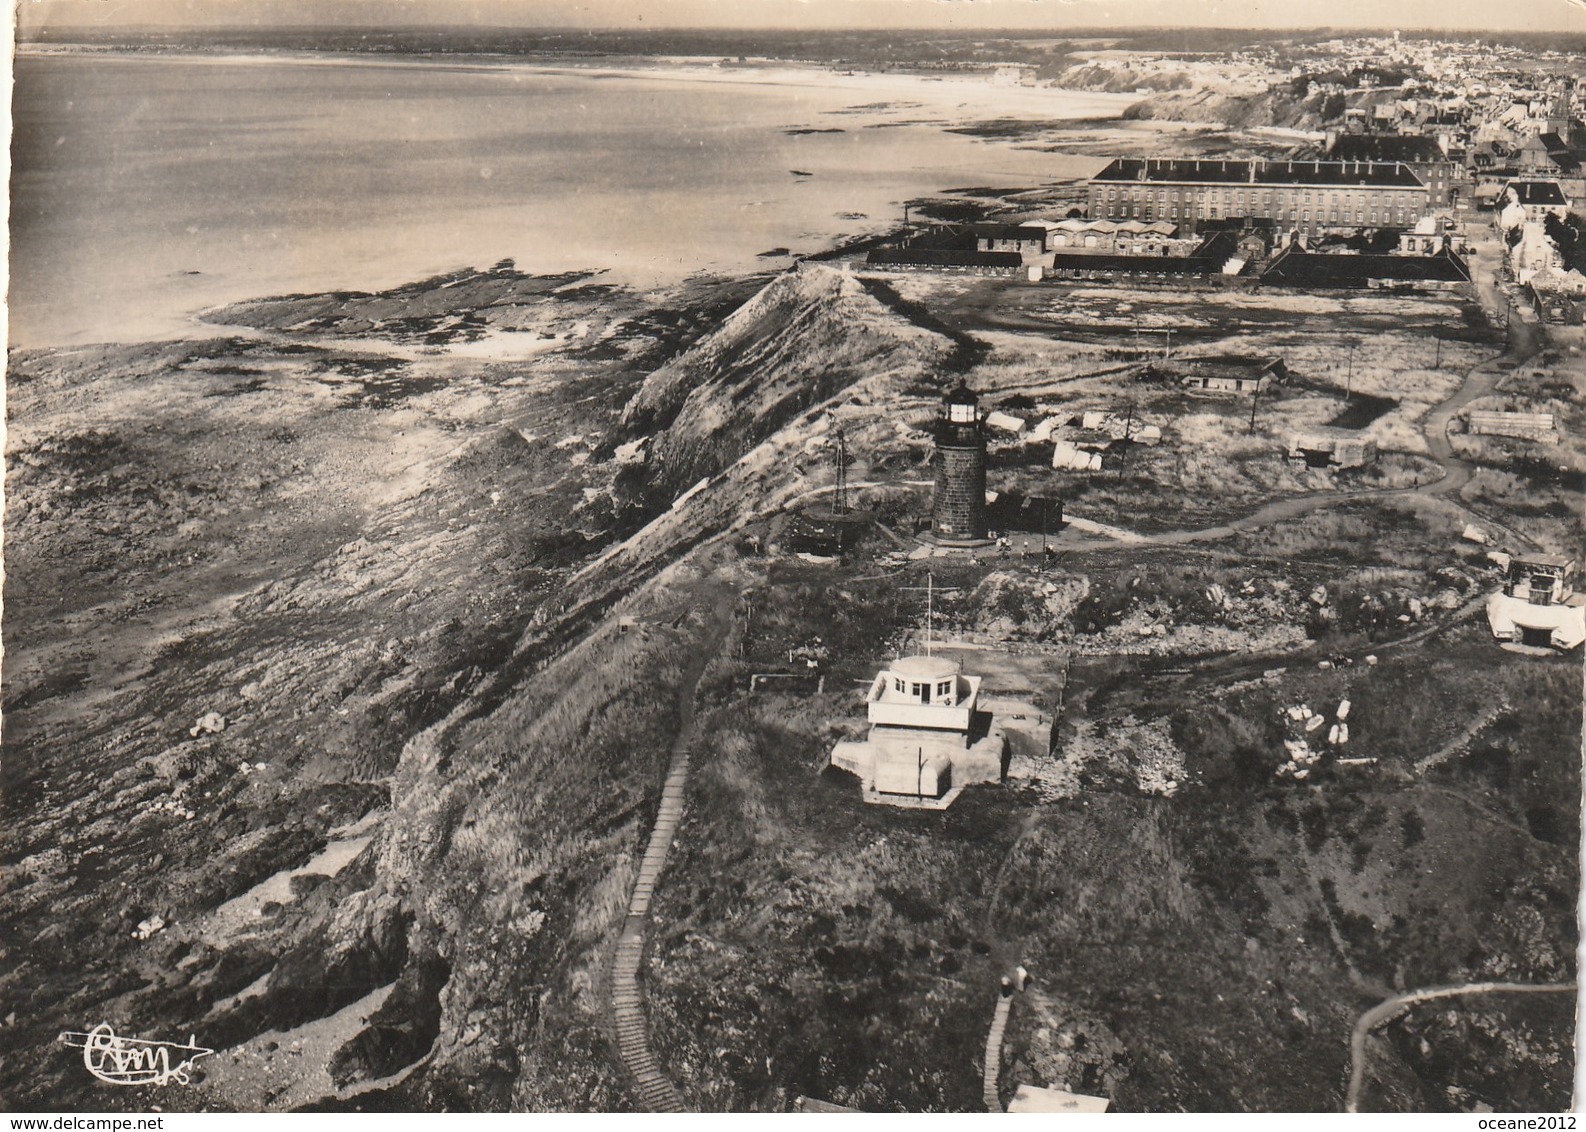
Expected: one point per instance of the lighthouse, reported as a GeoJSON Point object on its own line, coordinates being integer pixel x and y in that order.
{"type": "Point", "coordinates": [958, 509]}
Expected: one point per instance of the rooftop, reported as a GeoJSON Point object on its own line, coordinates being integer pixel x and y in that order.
{"type": "Point", "coordinates": [1009, 231]}
{"type": "Point", "coordinates": [1217, 171]}
{"type": "Point", "coordinates": [926, 667]}
{"type": "Point", "coordinates": [1319, 269]}
{"type": "Point", "coordinates": [944, 257]}
{"type": "Point", "coordinates": [1538, 192]}
{"type": "Point", "coordinates": [1386, 147]}
{"type": "Point", "coordinates": [1161, 227]}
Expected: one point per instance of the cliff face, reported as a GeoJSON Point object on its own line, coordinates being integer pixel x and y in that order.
{"type": "Point", "coordinates": [378, 573]}
{"type": "Point", "coordinates": [806, 336]}
{"type": "Point", "coordinates": [1279, 107]}
{"type": "Point", "coordinates": [1121, 79]}
{"type": "Point", "coordinates": [1237, 111]}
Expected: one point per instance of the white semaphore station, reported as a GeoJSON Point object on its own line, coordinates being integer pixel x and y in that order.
{"type": "Point", "coordinates": [928, 738]}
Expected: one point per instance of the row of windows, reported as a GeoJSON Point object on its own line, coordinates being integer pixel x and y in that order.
{"type": "Point", "coordinates": [1128, 211]}
{"type": "Point", "coordinates": [1263, 197]}
{"type": "Point", "coordinates": [945, 688]}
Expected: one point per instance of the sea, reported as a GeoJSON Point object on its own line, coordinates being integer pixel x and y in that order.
{"type": "Point", "coordinates": [147, 188]}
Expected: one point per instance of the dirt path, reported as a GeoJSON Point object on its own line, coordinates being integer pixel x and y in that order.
{"type": "Point", "coordinates": [655, 1091]}
{"type": "Point", "coordinates": [1459, 742]}
{"type": "Point", "coordinates": [1480, 380]}
{"type": "Point", "coordinates": [1398, 1004]}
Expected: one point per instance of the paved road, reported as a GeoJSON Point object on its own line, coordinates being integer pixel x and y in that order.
{"type": "Point", "coordinates": [1398, 1004]}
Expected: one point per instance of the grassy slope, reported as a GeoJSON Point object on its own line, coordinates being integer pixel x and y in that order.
{"type": "Point", "coordinates": [1211, 950]}
{"type": "Point", "coordinates": [807, 943]}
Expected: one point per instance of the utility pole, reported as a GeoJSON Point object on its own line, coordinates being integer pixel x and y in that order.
{"type": "Point", "coordinates": [1349, 380]}
{"type": "Point", "coordinates": [1255, 397]}
{"type": "Point", "coordinates": [930, 603]}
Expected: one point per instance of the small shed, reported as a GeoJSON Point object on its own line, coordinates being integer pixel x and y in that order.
{"type": "Point", "coordinates": [1332, 448]}
{"type": "Point", "coordinates": [1527, 426]}
{"type": "Point", "coordinates": [1228, 374]}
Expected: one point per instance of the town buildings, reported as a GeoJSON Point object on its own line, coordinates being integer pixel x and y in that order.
{"type": "Point", "coordinates": [1428, 157]}
{"type": "Point", "coordinates": [1026, 239]}
{"type": "Point", "coordinates": [1539, 199]}
{"type": "Point", "coordinates": [1305, 196]}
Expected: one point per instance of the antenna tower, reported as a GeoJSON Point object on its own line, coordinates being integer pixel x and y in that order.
{"type": "Point", "coordinates": [840, 499]}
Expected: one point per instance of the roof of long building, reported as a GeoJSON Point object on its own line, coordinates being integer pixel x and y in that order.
{"type": "Point", "coordinates": [1386, 147]}
{"type": "Point", "coordinates": [944, 257]}
{"type": "Point", "coordinates": [1217, 171]}
{"type": "Point", "coordinates": [1538, 192]}
{"type": "Point", "coordinates": [1136, 264]}
{"type": "Point", "coordinates": [1021, 232]}
{"type": "Point", "coordinates": [1320, 269]}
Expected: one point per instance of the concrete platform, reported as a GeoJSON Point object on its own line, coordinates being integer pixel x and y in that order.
{"type": "Point", "coordinates": [913, 802]}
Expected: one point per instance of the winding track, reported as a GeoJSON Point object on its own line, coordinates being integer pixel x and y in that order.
{"type": "Point", "coordinates": [1480, 380]}
{"type": "Point", "coordinates": [1398, 1004]}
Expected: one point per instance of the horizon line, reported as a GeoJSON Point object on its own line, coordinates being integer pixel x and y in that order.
{"type": "Point", "coordinates": [1014, 31]}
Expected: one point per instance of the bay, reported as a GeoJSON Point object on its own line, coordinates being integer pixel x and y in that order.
{"type": "Point", "coordinates": [146, 188]}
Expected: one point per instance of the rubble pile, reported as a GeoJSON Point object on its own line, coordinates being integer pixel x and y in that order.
{"type": "Point", "coordinates": [1307, 744]}
{"type": "Point", "coordinates": [1123, 753]}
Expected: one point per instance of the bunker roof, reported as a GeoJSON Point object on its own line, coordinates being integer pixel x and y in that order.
{"type": "Point", "coordinates": [925, 667]}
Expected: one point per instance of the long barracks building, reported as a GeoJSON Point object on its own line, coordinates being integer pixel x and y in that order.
{"type": "Point", "coordinates": [1304, 196]}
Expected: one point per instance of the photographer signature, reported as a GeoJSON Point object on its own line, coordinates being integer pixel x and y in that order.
{"type": "Point", "coordinates": [132, 1061]}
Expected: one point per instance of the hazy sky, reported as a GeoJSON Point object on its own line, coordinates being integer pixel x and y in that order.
{"type": "Point", "coordinates": [1535, 15]}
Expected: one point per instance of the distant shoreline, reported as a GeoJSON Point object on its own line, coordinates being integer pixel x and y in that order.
{"type": "Point", "coordinates": [967, 93]}
{"type": "Point", "coordinates": [162, 281]}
